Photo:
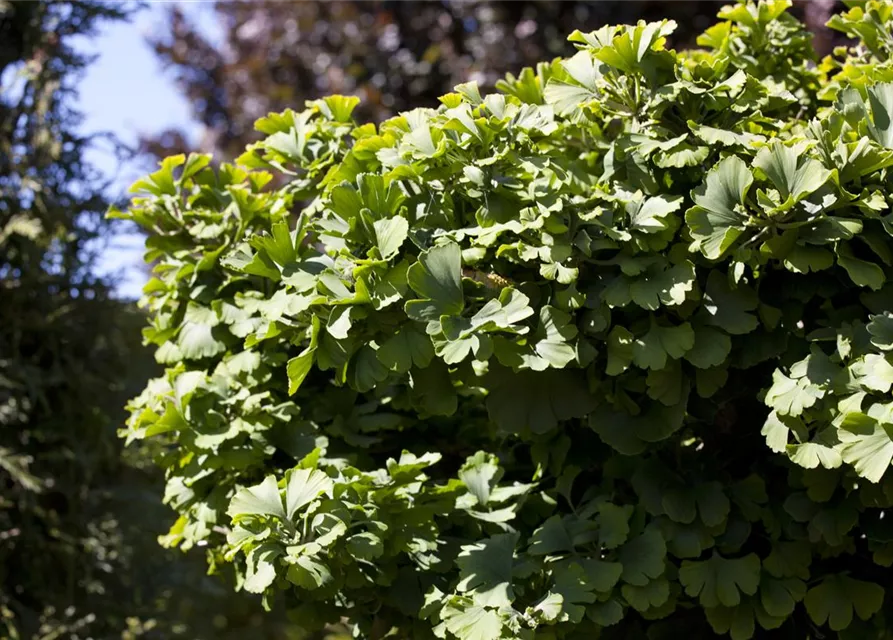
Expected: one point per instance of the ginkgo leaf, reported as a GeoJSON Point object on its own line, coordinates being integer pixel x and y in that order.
{"type": "Point", "coordinates": [687, 540]}
{"type": "Point", "coordinates": [298, 368]}
{"type": "Point", "coordinates": [260, 568]}
{"type": "Point", "coordinates": [613, 524]}
{"type": "Point", "coordinates": [788, 560]}
{"type": "Point", "coordinates": [650, 215]}
{"type": "Point", "coordinates": [502, 314]}
{"type": "Point", "coordinates": [720, 581]}
{"type": "Point", "coordinates": [404, 349]}
{"type": "Point", "coordinates": [737, 621]}
{"type": "Point", "coordinates": [170, 420]}
{"type": "Point", "coordinates": [551, 606]}
{"type": "Point", "coordinates": [432, 389]}
{"type": "Point", "coordinates": [880, 127]}
{"type": "Point", "coordinates": [652, 350]}
{"type": "Point", "coordinates": [806, 259]}
{"type": "Point", "coordinates": [713, 136]}
{"type": "Point", "coordinates": [718, 217]}
{"type": "Point", "coordinates": [629, 434]}
{"type": "Point", "coordinates": [279, 246]}
{"type": "Point", "coordinates": [302, 486]}
{"type": "Point", "coordinates": [874, 371]}
{"type": "Point", "coordinates": [583, 69]}
{"type": "Point", "coordinates": [197, 341]}
{"type": "Point", "coordinates": [740, 621]}
{"type": "Point", "coordinates": [881, 330]}
{"type": "Point", "coordinates": [670, 287]}
{"type": "Point", "coordinates": [475, 623]}
{"type": "Point", "coordinates": [628, 49]}
{"type": "Point", "coordinates": [581, 579]}
{"type": "Point", "coordinates": [867, 445]}
{"type": "Point", "coordinates": [682, 155]}
{"type": "Point", "coordinates": [727, 308]}
{"type": "Point", "coordinates": [790, 397]}
{"type": "Point", "coordinates": [536, 400]}
{"type": "Point", "coordinates": [793, 174]}
{"type": "Point", "coordinates": [811, 455]}
{"type": "Point", "coordinates": [642, 558]}
{"type": "Point", "coordinates": [339, 108]}
{"type": "Point", "coordinates": [620, 350]}
{"type": "Point", "coordinates": [367, 370]}
{"type": "Point", "coordinates": [553, 536]}
{"type": "Point", "coordinates": [713, 504]}
{"type": "Point", "coordinates": [605, 614]}
{"type": "Point", "coordinates": [711, 348]}
{"type": "Point", "coordinates": [676, 283]}
{"type": "Point", "coordinates": [485, 568]}
{"type": "Point", "coordinates": [480, 473]}
{"type": "Point", "coordinates": [365, 545]}
{"type": "Point", "coordinates": [556, 347]}
{"type": "Point", "coordinates": [436, 280]}
{"type": "Point", "coordinates": [668, 385]}
{"type": "Point", "coordinates": [575, 587]}
{"type": "Point", "coordinates": [261, 499]}
{"type": "Point", "coordinates": [161, 182]}
{"type": "Point", "coordinates": [838, 596]}
{"type": "Point", "coordinates": [780, 596]}
{"type": "Point", "coordinates": [861, 272]}
{"type": "Point", "coordinates": [642, 598]}
{"type": "Point", "coordinates": [309, 573]}
{"type": "Point", "coordinates": [567, 97]}
{"type": "Point", "coordinates": [390, 234]}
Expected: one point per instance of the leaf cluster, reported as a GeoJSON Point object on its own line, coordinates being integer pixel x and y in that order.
{"type": "Point", "coordinates": [607, 353]}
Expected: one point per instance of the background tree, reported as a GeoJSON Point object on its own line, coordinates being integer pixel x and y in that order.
{"type": "Point", "coordinates": [61, 336]}
{"type": "Point", "coordinates": [78, 521]}
{"type": "Point", "coordinates": [394, 55]}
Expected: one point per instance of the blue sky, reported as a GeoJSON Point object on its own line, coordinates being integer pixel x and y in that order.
{"type": "Point", "coordinates": [126, 92]}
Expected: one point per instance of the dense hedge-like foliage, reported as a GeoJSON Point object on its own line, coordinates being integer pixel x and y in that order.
{"type": "Point", "coordinates": [604, 354]}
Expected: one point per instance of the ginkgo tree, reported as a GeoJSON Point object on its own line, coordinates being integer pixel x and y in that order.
{"type": "Point", "coordinates": [605, 354]}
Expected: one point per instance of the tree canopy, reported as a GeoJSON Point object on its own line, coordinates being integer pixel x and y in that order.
{"type": "Point", "coordinates": [606, 353]}
{"type": "Point", "coordinates": [395, 56]}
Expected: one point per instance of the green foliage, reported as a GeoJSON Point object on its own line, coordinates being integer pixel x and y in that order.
{"type": "Point", "coordinates": [394, 56]}
{"type": "Point", "coordinates": [606, 354]}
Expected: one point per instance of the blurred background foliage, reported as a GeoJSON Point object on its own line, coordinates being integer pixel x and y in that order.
{"type": "Point", "coordinates": [78, 518]}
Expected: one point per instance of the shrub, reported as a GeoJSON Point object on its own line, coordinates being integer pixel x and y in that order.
{"type": "Point", "coordinates": [605, 354]}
